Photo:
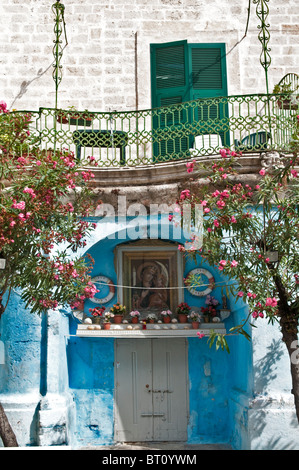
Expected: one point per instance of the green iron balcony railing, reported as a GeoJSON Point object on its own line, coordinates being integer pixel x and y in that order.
{"type": "Point", "coordinates": [247, 123]}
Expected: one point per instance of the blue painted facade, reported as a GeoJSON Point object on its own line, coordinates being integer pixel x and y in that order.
{"type": "Point", "coordinates": [44, 357]}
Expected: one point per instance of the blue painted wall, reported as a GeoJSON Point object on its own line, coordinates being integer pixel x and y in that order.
{"type": "Point", "coordinates": [216, 378]}
{"type": "Point", "coordinates": [91, 379]}
{"type": "Point", "coordinates": [21, 335]}
{"type": "Point", "coordinates": [209, 400]}
{"type": "Point", "coordinates": [219, 383]}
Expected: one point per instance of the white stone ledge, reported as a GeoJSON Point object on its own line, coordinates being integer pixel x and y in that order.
{"type": "Point", "coordinates": [182, 330]}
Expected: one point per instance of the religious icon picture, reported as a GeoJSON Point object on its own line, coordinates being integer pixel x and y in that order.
{"type": "Point", "coordinates": [151, 277]}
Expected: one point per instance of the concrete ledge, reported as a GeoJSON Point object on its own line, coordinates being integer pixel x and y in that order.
{"type": "Point", "coordinates": [181, 330]}
{"type": "Point", "coordinates": [163, 173]}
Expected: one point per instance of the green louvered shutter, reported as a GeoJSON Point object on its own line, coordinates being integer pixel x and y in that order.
{"type": "Point", "coordinates": [208, 80]}
{"type": "Point", "coordinates": [181, 72]}
{"type": "Point", "coordinates": [169, 78]}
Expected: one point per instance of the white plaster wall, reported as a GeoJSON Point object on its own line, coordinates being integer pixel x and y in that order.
{"type": "Point", "coordinates": [99, 62]}
{"type": "Point", "coordinates": [272, 422]}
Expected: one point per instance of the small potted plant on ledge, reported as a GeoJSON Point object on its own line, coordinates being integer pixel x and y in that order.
{"type": "Point", "coordinates": [107, 320]}
{"type": "Point", "coordinates": [74, 117]}
{"type": "Point", "coordinates": [166, 316]}
{"type": "Point", "coordinates": [151, 317]}
{"type": "Point", "coordinates": [183, 311]}
{"type": "Point", "coordinates": [210, 311]}
{"type": "Point", "coordinates": [135, 316]}
{"type": "Point", "coordinates": [97, 314]}
{"type": "Point", "coordinates": [118, 311]}
{"type": "Point", "coordinates": [195, 319]}
{"type": "Point", "coordinates": [290, 100]}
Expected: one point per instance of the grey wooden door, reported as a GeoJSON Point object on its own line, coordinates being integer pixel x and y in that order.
{"type": "Point", "coordinates": [151, 386]}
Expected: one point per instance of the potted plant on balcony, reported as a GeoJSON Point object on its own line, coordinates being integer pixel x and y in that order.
{"type": "Point", "coordinates": [183, 311]}
{"type": "Point", "coordinates": [97, 314]}
{"type": "Point", "coordinates": [74, 117]}
{"type": "Point", "coordinates": [166, 316]}
{"type": "Point", "coordinates": [195, 319]}
{"type": "Point", "coordinates": [118, 312]}
{"type": "Point", "coordinates": [135, 315]}
{"type": "Point", "coordinates": [290, 100]}
{"type": "Point", "coordinates": [151, 317]}
{"type": "Point", "coordinates": [210, 311]}
{"type": "Point", "coordinates": [107, 320]}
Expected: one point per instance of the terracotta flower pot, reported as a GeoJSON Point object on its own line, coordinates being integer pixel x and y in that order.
{"type": "Point", "coordinates": [118, 318]}
{"type": "Point", "coordinates": [106, 326]}
{"type": "Point", "coordinates": [166, 319]}
{"type": "Point", "coordinates": [182, 317]}
{"type": "Point", "coordinates": [134, 319]}
{"type": "Point", "coordinates": [195, 325]}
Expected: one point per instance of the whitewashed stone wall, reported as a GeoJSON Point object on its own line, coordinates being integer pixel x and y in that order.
{"type": "Point", "coordinates": [99, 62]}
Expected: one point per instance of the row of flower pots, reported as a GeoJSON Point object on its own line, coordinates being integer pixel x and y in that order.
{"type": "Point", "coordinates": [183, 312]}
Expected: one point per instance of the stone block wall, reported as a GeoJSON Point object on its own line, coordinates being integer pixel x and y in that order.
{"type": "Point", "coordinates": [107, 39]}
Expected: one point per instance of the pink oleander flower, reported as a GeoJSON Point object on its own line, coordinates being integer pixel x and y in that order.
{"type": "Point", "coordinates": [185, 194]}
{"type": "Point", "coordinates": [262, 172]}
{"type": "Point", "coordinates": [190, 166]}
{"type": "Point", "coordinates": [29, 191]}
{"type": "Point", "coordinates": [271, 302]}
{"type": "Point", "coordinates": [3, 107]}
{"type": "Point", "coordinates": [220, 204]}
{"type": "Point", "coordinates": [21, 160]}
{"type": "Point", "coordinates": [240, 294]}
{"type": "Point", "coordinates": [216, 223]}
{"type": "Point", "coordinates": [199, 335]}
{"type": "Point", "coordinates": [234, 263]}
{"type": "Point", "coordinates": [233, 220]}
{"type": "Point", "coordinates": [225, 193]}
{"type": "Point", "coordinates": [18, 205]}
{"type": "Point", "coordinates": [223, 153]}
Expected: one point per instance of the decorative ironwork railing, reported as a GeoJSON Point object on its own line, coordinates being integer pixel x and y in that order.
{"type": "Point", "coordinates": [248, 123]}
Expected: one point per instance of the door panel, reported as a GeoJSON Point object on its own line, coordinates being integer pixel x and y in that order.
{"type": "Point", "coordinates": [151, 390]}
{"type": "Point", "coordinates": [133, 373]}
{"type": "Point", "coordinates": [170, 389]}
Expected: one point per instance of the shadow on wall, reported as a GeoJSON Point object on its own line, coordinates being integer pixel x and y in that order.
{"type": "Point", "coordinates": [272, 414]}
{"type": "Point", "coordinates": [265, 368]}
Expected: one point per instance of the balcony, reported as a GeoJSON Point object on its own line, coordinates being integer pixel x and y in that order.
{"type": "Point", "coordinates": [247, 123]}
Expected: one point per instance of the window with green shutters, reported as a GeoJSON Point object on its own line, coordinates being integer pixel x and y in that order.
{"type": "Point", "coordinates": [183, 72]}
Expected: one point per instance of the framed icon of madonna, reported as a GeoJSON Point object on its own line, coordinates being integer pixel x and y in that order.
{"type": "Point", "coordinates": [150, 277]}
